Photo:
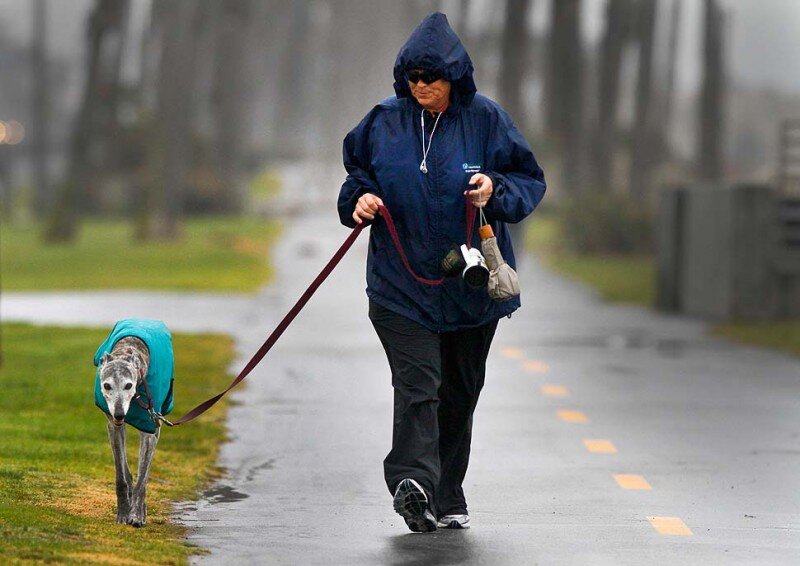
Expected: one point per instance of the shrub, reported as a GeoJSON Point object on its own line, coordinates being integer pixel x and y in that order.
{"type": "Point", "coordinates": [606, 223]}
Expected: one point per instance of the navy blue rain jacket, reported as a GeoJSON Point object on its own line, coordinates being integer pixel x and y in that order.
{"type": "Point", "coordinates": [382, 156]}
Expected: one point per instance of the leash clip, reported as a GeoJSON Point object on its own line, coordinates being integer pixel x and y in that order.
{"type": "Point", "coordinates": [158, 418]}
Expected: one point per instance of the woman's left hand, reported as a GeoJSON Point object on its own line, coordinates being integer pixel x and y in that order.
{"type": "Point", "coordinates": [480, 196]}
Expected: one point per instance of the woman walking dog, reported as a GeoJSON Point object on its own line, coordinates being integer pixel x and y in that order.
{"type": "Point", "coordinates": [420, 154]}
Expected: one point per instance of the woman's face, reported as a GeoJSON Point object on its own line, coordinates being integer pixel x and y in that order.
{"type": "Point", "coordinates": [434, 96]}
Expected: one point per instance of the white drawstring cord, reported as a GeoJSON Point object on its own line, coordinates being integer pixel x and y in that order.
{"type": "Point", "coordinates": [424, 165]}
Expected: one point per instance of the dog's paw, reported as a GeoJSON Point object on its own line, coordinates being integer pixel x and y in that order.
{"type": "Point", "coordinates": [123, 518]}
{"type": "Point", "coordinates": [137, 518]}
{"type": "Point", "coordinates": [136, 521]}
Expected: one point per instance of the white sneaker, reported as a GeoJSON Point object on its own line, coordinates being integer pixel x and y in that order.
{"type": "Point", "coordinates": [453, 522]}
{"type": "Point", "coordinates": [411, 503]}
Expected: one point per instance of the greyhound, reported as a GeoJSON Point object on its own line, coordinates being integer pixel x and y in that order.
{"type": "Point", "coordinates": [121, 371]}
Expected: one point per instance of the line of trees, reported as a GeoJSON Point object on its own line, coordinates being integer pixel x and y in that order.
{"type": "Point", "coordinates": [583, 90]}
{"type": "Point", "coordinates": [176, 140]}
{"type": "Point", "coordinates": [225, 85]}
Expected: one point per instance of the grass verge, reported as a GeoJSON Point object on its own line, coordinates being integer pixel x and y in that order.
{"type": "Point", "coordinates": [628, 278]}
{"type": "Point", "coordinates": [57, 501]}
{"type": "Point", "coordinates": [214, 254]}
{"type": "Point", "coordinates": [631, 279]}
{"type": "Point", "coordinates": [780, 335]}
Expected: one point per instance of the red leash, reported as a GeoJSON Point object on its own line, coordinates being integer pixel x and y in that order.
{"type": "Point", "coordinates": [304, 298]}
{"type": "Point", "coordinates": [396, 239]}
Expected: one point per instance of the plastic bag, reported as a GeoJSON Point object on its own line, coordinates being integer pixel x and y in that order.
{"type": "Point", "coordinates": [503, 280]}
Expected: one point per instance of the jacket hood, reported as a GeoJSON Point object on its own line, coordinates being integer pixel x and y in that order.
{"type": "Point", "coordinates": [434, 45]}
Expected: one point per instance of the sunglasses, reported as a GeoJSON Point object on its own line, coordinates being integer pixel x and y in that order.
{"type": "Point", "coordinates": [428, 77]}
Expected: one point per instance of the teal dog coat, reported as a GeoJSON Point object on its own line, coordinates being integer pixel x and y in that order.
{"type": "Point", "coordinates": [158, 339]}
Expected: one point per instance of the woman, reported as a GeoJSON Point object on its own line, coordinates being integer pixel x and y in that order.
{"type": "Point", "coordinates": [422, 153]}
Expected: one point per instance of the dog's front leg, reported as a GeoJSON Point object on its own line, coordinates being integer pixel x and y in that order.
{"type": "Point", "coordinates": [124, 481]}
{"type": "Point", "coordinates": [147, 447]}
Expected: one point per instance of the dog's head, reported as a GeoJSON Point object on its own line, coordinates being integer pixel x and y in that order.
{"type": "Point", "coordinates": [118, 379]}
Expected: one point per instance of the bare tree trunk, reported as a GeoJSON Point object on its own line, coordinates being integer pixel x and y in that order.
{"type": "Point", "coordinates": [112, 88]}
{"type": "Point", "coordinates": [62, 223]}
{"type": "Point", "coordinates": [641, 150]}
{"type": "Point", "coordinates": [148, 73]}
{"type": "Point", "coordinates": [665, 115]}
{"type": "Point", "coordinates": [355, 55]}
{"type": "Point", "coordinates": [618, 16]}
{"type": "Point", "coordinates": [564, 87]}
{"type": "Point", "coordinates": [514, 46]}
{"type": "Point", "coordinates": [712, 97]}
{"type": "Point", "coordinates": [463, 19]}
{"type": "Point", "coordinates": [513, 56]}
{"type": "Point", "coordinates": [170, 151]}
{"type": "Point", "coordinates": [207, 38]}
{"type": "Point", "coordinates": [230, 97]}
{"type": "Point", "coordinates": [39, 116]}
{"type": "Point", "coordinates": [104, 133]}
{"type": "Point", "coordinates": [293, 80]}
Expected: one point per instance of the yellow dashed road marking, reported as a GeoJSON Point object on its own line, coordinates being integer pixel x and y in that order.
{"type": "Point", "coordinates": [669, 526]}
{"type": "Point", "coordinates": [536, 366]}
{"type": "Point", "coordinates": [511, 352]}
{"type": "Point", "coordinates": [600, 446]}
{"type": "Point", "coordinates": [632, 481]}
{"type": "Point", "coordinates": [551, 390]}
{"type": "Point", "coordinates": [572, 416]}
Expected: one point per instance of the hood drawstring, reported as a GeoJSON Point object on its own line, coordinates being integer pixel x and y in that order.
{"type": "Point", "coordinates": [424, 165]}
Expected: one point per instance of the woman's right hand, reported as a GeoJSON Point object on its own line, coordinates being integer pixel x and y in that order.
{"type": "Point", "coordinates": [366, 208]}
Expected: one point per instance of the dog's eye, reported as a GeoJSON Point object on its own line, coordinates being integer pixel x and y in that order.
{"type": "Point", "coordinates": [128, 385]}
{"type": "Point", "coordinates": [107, 386]}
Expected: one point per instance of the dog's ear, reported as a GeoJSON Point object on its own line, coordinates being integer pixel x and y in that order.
{"type": "Point", "coordinates": [105, 359]}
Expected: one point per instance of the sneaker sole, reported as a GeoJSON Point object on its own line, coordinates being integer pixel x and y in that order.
{"type": "Point", "coordinates": [411, 504]}
{"type": "Point", "coordinates": [452, 525]}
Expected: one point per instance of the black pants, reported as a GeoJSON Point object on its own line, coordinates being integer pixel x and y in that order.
{"type": "Point", "coordinates": [437, 379]}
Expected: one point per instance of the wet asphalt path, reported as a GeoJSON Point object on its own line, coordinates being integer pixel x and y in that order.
{"type": "Point", "coordinates": [712, 429]}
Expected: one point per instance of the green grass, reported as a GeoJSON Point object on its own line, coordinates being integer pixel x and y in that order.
{"type": "Point", "coordinates": [57, 501]}
{"type": "Point", "coordinates": [631, 279]}
{"type": "Point", "coordinates": [780, 335]}
{"type": "Point", "coordinates": [266, 184]}
{"type": "Point", "coordinates": [618, 278]}
{"type": "Point", "coordinates": [216, 254]}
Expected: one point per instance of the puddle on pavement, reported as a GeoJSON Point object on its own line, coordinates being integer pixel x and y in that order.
{"type": "Point", "coordinates": [615, 341]}
{"type": "Point", "coordinates": [253, 472]}
{"type": "Point", "coordinates": [184, 507]}
{"type": "Point", "coordinates": [222, 493]}
{"type": "Point", "coordinates": [667, 347]}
